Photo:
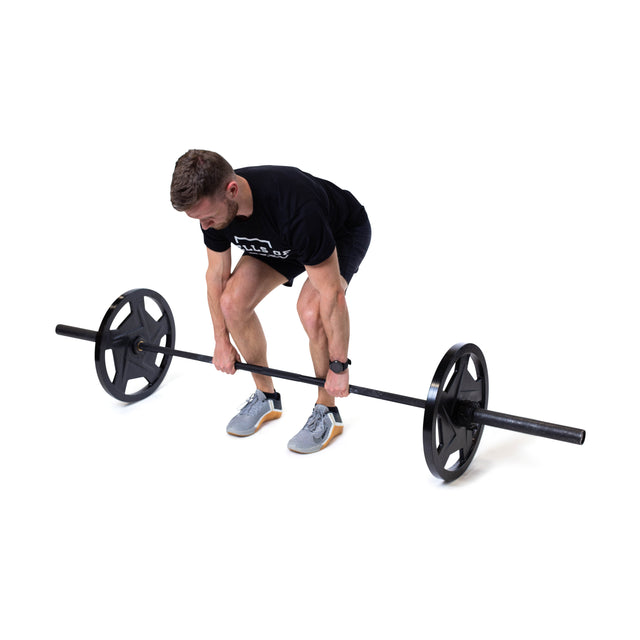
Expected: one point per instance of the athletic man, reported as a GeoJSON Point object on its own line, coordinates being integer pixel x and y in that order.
{"type": "Point", "coordinates": [286, 222]}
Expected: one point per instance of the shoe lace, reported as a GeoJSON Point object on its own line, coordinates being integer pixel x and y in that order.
{"type": "Point", "coordinates": [250, 407]}
{"type": "Point", "coordinates": [316, 420]}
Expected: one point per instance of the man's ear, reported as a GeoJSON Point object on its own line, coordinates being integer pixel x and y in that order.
{"type": "Point", "coordinates": [232, 189]}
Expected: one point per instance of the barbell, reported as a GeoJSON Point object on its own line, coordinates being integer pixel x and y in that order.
{"type": "Point", "coordinates": [133, 357]}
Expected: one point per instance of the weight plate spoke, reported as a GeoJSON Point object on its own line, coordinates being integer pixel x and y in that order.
{"type": "Point", "coordinates": [120, 378]}
{"type": "Point", "coordinates": [128, 369]}
{"type": "Point", "coordinates": [459, 443]}
{"type": "Point", "coordinates": [149, 371]}
{"type": "Point", "coordinates": [449, 439]}
{"type": "Point", "coordinates": [461, 372]}
{"type": "Point", "coordinates": [159, 329]}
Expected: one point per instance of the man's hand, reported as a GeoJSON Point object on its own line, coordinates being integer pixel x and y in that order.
{"type": "Point", "coordinates": [337, 384]}
{"type": "Point", "coordinates": [225, 357]}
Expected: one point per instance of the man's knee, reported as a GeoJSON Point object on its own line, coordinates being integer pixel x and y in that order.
{"type": "Point", "coordinates": [233, 305]}
{"type": "Point", "coordinates": [309, 313]}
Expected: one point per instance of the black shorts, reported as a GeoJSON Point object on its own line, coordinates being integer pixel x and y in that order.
{"type": "Point", "coordinates": [351, 246]}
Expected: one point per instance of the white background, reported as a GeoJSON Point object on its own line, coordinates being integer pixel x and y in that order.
{"type": "Point", "coordinates": [495, 146]}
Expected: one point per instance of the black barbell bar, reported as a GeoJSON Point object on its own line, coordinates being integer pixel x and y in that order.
{"type": "Point", "coordinates": [479, 416]}
{"type": "Point", "coordinates": [285, 375]}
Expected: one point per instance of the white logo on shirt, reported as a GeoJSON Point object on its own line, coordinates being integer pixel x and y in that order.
{"type": "Point", "coordinates": [260, 247]}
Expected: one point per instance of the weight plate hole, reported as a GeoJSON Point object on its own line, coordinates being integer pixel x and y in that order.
{"type": "Point", "coordinates": [452, 460]}
{"type": "Point", "coordinates": [471, 368]}
{"type": "Point", "coordinates": [121, 316]}
{"type": "Point", "coordinates": [448, 378]}
{"type": "Point", "coordinates": [152, 308]}
{"type": "Point", "coordinates": [135, 384]}
{"type": "Point", "coordinates": [110, 364]}
{"type": "Point", "coordinates": [160, 356]}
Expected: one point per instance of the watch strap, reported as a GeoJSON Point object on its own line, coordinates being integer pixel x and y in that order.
{"type": "Point", "coordinates": [339, 367]}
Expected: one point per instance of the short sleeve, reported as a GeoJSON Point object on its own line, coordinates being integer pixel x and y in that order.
{"type": "Point", "coordinates": [310, 236]}
{"type": "Point", "coordinates": [214, 241]}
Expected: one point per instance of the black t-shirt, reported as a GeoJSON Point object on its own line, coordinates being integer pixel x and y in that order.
{"type": "Point", "coordinates": [296, 216]}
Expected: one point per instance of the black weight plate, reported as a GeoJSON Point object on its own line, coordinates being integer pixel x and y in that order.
{"type": "Point", "coordinates": [449, 443]}
{"type": "Point", "coordinates": [124, 372]}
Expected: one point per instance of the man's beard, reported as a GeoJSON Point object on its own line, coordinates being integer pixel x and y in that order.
{"type": "Point", "coordinates": [232, 214]}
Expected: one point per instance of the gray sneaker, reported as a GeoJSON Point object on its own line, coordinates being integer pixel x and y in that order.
{"type": "Point", "coordinates": [257, 410]}
{"type": "Point", "coordinates": [321, 428]}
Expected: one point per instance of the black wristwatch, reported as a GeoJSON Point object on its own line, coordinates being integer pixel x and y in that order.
{"type": "Point", "coordinates": [339, 367]}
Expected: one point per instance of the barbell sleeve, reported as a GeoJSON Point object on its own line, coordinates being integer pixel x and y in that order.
{"type": "Point", "coordinates": [529, 426]}
{"type": "Point", "coordinates": [76, 332]}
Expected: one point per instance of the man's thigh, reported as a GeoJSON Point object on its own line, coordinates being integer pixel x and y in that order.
{"type": "Point", "coordinates": [252, 280]}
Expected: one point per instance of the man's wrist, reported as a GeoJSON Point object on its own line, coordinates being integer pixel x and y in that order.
{"type": "Point", "coordinates": [221, 336]}
{"type": "Point", "coordinates": [338, 366]}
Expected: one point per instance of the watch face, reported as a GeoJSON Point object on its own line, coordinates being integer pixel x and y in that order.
{"type": "Point", "coordinates": [337, 367]}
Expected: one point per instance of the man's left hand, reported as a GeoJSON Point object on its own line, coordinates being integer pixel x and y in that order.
{"type": "Point", "coordinates": [337, 384]}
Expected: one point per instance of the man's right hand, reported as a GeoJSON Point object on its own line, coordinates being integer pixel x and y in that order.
{"type": "Point", "coordinates": [225, 357]}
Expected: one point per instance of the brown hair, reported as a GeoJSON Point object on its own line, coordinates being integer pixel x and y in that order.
{"type": "Point", "coordinates": [198, 174]}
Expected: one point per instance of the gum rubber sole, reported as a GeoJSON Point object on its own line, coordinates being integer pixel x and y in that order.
{"type": "Point", "coordinates": [272, 415]}
{"type": "Point", "coordinates": [336, 430]}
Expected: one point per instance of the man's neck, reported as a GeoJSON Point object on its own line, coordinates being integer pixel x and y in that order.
{"type": "Point", "coordinates": [245, 198]}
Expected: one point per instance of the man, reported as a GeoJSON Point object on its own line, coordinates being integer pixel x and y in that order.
{"type": "Point", "coordinates": [286, 222]}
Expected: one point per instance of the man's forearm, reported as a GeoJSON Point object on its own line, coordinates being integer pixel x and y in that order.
{"type": "Point", "coordinates": [214, 292]}
{"type": "Point", "coordinates": [335, 319]}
